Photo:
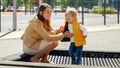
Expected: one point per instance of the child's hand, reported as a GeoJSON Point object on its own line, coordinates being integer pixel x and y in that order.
{"type": "Point", "coordinates": [68, 34]}
{"type": "Point", "coordinates": [71, 34]}
{"type": "Point", "coordinates": [61, 28]}
{"type": "Point", "coordinates": [84, 36]}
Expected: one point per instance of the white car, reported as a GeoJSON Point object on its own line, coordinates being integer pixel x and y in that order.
{"type": "Point", "coordinates": [21, 9]}
{"type": "Point", "coordinates": [96, 7]}
{"type": "Point", "coordinates": [1, 8]}
{"type": "Point", "coordinates": [86, 10]}
{"type": "Point", "coordinates": [57, 9]}
{"type": "Point", "coordinates": [69, 8]}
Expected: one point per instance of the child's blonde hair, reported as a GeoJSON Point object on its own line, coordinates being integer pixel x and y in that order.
{"type": "Point", "coordinates": [72, 11]}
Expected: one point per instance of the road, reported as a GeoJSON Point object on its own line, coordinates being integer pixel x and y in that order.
{"type": "Point", "coordinates": [56, 20]}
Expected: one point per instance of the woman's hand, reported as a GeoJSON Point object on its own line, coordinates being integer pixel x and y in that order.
{"type": "Point", "coordinates": [52, 33]}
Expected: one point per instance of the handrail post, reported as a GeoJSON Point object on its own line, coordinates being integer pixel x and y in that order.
{"type": "Point", "coordinates": [82, 12]}
{"type": "Point", "coordinates": [118, 11]}
{"type": "Point", "coordinates": [14, 15]}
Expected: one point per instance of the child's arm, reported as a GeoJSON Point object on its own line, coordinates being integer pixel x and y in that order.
{"type": "Point", "coordinates": [60, 30]}
{"type": "Point", "coordinates": [83, 28]}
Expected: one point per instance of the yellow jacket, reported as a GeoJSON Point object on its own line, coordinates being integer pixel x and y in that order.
{"type": "Point", "coordinates": [35, 32]}
{"type": "Point", "coordinates": [78, 34]}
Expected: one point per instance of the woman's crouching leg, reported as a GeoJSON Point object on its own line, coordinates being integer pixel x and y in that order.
{"type": "Point", "coordinates": [45, 57]}
{"type": "Point", "coordinates": [44, 53]}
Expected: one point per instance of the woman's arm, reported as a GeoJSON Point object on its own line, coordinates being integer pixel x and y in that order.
{"type": "Point", "coordinates": [38, 27]}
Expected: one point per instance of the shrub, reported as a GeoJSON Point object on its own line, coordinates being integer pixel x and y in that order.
{"type": "Point", "coordinates": [101, 10]}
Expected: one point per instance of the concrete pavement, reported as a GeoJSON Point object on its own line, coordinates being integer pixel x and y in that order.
{"type": "Point", "coordinates": [104, 37]}
{"type": "Point", "coordinates": [17, 34]}
{"type": "Point", "coordinates": [100, 38]}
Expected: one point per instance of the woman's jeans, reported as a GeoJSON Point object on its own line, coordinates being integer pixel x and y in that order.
{"type": "Point", "coordinates": [75, 53]}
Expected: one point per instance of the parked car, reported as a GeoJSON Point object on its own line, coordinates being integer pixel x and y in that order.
{"type": "Point", "coordinates": [68, 8]}
{"type": "Point", "coordinates": [57, 9]}
{"type": "Point", "coordinates": [21, 9]}
{"type": "Point", "coordinates": [1, 8]}
{"type": "Point", "coordinates": [34, 9]}
{"type": "Point", "coordinates": [115, 10]}
{"type": "Point", "coordinates": [9, 9]}
{"type": "Point", "coordinates": [96, 7]}
{"type": "Point", "coordinates": [86, 10]}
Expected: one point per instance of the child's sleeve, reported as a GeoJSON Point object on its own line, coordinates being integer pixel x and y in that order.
{"type": "Point", "coordinates": [64, 30]}
{"type": "Point", "coordinates": [84, 29]}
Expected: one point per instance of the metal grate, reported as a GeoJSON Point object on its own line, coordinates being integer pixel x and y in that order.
{"type": "Point", "coordinates": [101, 59]}
{"type": "Point", "coordinates": [89, 58]}
{"type": "Point", "coordinates": [87, 61]}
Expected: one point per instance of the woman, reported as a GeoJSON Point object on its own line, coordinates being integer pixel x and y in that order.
{"type": "Point", "coordinates": [37, 39]}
